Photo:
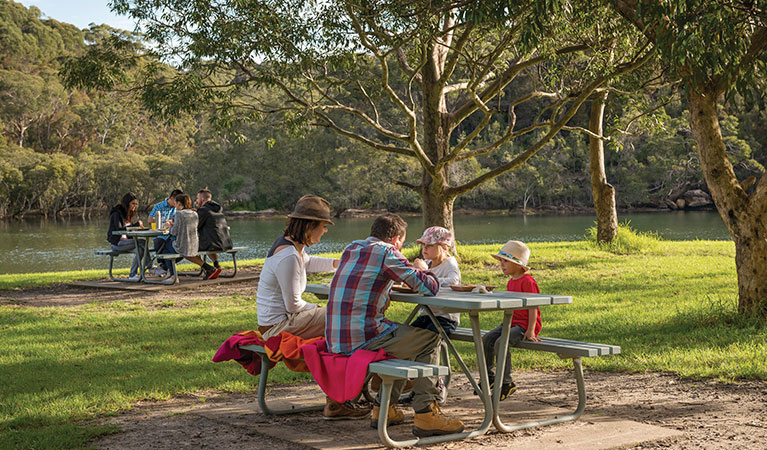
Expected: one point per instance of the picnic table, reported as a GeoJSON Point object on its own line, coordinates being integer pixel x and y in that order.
{"type": "Point", "coordinates": [137, 235]}
{"type": "Point", "coordinates": [473, 304]}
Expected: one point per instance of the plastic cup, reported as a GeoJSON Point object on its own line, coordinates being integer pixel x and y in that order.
{"type": "Point", "coordinates": [154, 226]}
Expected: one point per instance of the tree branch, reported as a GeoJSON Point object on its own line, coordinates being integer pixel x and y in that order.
{"type": "Point", "coordinates": [553, 130]}
{"type": "Point", "coordinates": [468, 108]}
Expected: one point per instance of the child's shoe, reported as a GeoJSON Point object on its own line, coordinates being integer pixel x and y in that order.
{"type": "Point", "coordinates": [507, 390]}
{"type": "Point", "coordinates": [492, 383]}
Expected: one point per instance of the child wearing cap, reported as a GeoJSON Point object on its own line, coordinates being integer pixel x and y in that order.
{"type": "Point", "coordinates": [525, 323]}
{"type": "Point", "coordinates": [435, 248]}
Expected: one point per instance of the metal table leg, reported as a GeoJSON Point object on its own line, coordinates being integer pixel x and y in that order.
{"type": "Point", "coordinates": [387, 384]}
{"type": "Point", "coordinates": [501, 358]}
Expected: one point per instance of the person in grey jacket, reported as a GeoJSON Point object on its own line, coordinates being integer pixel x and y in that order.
{"type": "Point", "coordinates": [184, 240]}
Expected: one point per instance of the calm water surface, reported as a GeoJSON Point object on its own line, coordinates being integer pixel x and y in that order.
{"type": "Point", "coordinates": [42, 246]}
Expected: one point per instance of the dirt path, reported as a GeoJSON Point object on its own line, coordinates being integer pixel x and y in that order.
{"type": "Point", "coordinates": [63, 295]}
{"type": "Point", "coordinates": [709, 415]}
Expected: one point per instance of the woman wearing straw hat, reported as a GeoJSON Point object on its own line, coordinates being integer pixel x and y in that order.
{"type": "Point", "coordinates": [283, 280]}
{"type": "Point", "coordinates": [283, 277]}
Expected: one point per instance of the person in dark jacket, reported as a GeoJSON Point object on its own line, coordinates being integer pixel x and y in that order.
{"type": "Point", "coordinates": [121, 216]}
{"type": "Point", "coordinates": [212, 228]}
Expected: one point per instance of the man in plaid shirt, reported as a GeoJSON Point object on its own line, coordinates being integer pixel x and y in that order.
{"type": "Point", "coordinates": [358, 298]}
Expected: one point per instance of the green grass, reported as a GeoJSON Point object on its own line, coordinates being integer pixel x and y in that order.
{"type": "Point", "coordinates": [671, 308]}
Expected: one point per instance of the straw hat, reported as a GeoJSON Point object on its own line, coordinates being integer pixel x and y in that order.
{"type": "Point", "coordinates": [516, 252]}
{"type": "Point", "coordinates": [312, 207]}
{"type": "Point", "coordinates": [436, 235]}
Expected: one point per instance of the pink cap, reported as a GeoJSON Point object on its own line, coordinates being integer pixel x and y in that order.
{"type": "Point", "coordinates": [436, 235]}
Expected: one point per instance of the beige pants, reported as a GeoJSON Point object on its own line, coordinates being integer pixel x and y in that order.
{"type": "Point", "coordinates": [306, 324]}
{"type": "Point", "coordinates": [412, 344]}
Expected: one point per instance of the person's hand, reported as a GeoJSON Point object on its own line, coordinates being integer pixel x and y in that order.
{"type": "Point", "coordinates": [420, 264]}
{"type": "Point", "coordinates": [141, 224]}
{"type": "Point", "coordinates": [530, 336]}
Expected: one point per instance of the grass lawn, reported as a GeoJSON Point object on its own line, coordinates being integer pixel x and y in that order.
{"type": "Point", "coordinates": [671, 308]}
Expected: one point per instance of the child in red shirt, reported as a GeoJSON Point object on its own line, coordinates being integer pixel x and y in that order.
{"type": "Point", "coordinates": [525, 323]}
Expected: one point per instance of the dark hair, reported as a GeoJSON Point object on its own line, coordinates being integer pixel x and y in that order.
{"type": "Point", "coordinates": [125, 203]}
{"type": "Point", "coordinates": [298, 229]}
{"type": "Point", "coordinates": [184, 200]}
{"type": "Point", "coordinates": [206, 194]}
{"type": "Point", "coordinates": [388, 226]}
{"type": "Point", "coordinates": [174, 193]}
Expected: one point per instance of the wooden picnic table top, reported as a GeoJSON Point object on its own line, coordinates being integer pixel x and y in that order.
{"type": "Point", "coordinates": [468, 301]}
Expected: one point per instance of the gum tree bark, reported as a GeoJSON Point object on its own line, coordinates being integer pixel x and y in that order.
{"type": "Point", "coordinates": [744, 214]}
{"type": "Point", "coordinates": [602, 191]}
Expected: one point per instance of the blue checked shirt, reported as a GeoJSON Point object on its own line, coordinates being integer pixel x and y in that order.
{"type": "Point", "coordinates": [360, 290]}
{"type": "Point", "coordinates": [167, 212]}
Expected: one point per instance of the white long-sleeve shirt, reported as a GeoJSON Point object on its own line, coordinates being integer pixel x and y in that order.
{"type": "Point", "coordinates": [448, 273]}
{"type": "Point", "coordinates": [282, 281]}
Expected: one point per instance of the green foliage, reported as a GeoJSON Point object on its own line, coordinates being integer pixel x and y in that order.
{"type": "Point", "coordinates": [627, 241]}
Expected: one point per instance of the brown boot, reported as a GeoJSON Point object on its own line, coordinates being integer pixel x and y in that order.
{"type": "Point", "coordinates": [393, 417]}
{"type": "Point", "coordinates": [433, 423]}
{"type": "Point", "coordinates": [343, 411]}
{"type": "Point", "coordinates": [375, 383]}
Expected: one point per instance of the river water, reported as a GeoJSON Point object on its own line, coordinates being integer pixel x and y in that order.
{"type": "Point", "coordinates": [69, 244]}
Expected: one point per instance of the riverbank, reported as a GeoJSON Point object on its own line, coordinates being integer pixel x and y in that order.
{"type": "Point", "coordinates": [272, 213]}
{"type": "Point", "coordinates": [671, 307]}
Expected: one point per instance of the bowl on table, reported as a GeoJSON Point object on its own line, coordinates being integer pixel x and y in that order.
{"type": "Point", "coordinates": [470, 287]}
{"type": "Point", "coordinates": [403, 288]}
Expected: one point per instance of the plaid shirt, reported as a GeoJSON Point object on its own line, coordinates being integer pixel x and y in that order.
{"type": "Point", "coordinates": [360, 290]}
{"type": "Point", "coordinates": [167, 212]}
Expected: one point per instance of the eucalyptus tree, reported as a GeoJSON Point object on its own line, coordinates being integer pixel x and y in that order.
{"type": "Point", "coordinates": [418, 79]}
{"type": "Point", "coordinates": [716, 48]}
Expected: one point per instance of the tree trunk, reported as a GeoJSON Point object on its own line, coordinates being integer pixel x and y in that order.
{"type": "Point", "coordinates": [742, 213]}
{"type": "Point", "coordinates": [437, 205]}
{"type": "Point", "coordinates": [602, 191]}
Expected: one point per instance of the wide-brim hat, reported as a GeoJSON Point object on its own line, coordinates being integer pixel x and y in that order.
{"type": "Point", "coordinates": [312, 207]}
{"type": "Point", "coordinates": [515, 252]}
{"type": "Point", "coordinates": [436, 235]}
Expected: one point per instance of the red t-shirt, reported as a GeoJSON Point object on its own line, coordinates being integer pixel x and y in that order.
{"type": "Point", "coordinates": [525, 284]}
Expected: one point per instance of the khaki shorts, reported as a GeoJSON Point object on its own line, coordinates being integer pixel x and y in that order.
{"type": "Point", "coordinates": [306, 324]}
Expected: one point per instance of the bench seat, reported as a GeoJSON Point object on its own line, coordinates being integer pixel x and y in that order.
{"type": "Point", "coordinates": [204, 253]}
{"type": "Point", "coordinates": [388, 369]}
{"type": "Point", "coordinates": [548, 344]}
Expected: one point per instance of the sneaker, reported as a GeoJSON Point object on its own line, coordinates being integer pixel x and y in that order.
{"type": "Point", "coordinates": [507, 390]}
{"type": "Point", "coordinates": [208, 273]}
{"type": "Point", "coordinates": [134, 278]}
{"type": "Point", "coordinates": [343, 411]}
{"type": "Point", "coordinates": [434, 423]}
{"type": "Point", "coordinates": [393, 417]}
{"type": "Point", "coordinates": [491, 381]}
{"type": "Point", "coordinates": [215, 274]}
{"type": "Point", "coordinates": [158, 271]}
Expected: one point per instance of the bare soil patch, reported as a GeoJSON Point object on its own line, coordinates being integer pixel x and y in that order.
{"type": "Point", "coordinates": [64, 295]}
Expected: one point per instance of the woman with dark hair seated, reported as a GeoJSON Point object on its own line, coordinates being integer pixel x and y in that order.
{"type": "Point", "coordinates": [283, 280]}
{"type": "Point", "coordinates": [184, 240]}
{"type": "Point", "coordinates": [122, 216]}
